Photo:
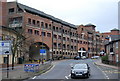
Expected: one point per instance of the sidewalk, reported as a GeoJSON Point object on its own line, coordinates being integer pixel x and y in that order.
{"type": "Point", "coordinates": [105, 65]}
{"type": "Point", "coordinates": [19, 73]}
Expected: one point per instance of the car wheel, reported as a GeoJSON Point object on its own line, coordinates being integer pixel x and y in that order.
{"type": "Point", "coordinates": [72, 76]}
{"type": "Point", "coordinates": [88, 75]}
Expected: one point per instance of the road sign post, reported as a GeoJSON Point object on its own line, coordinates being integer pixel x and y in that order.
{"type": "Point", "coordinates": [42, 52]}
{"type": "Point", "coordinates": [7, 66]}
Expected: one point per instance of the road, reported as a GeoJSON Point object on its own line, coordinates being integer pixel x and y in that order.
{"type": "Point", "coordinates": [61, 70]}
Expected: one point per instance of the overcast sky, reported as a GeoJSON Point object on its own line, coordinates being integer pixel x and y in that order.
{"type": "Point", "coordinates": [102, 13]}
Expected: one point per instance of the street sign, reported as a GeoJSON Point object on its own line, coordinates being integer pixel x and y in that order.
{"type": "Point", "coordinates": [31, 67]}
{"type": "Point", "coordinates": [42, 51]}
{"type": "Point", "coordinates": [5, 47]}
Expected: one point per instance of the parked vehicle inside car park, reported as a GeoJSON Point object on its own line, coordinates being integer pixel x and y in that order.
{"type": "Point", "coordinates": [95, 57]}
{"type": "Point", "coordinates": [83, 57]}
{"type": "Point", "coordinates": [77, 57]}
{"type": "Point", "coordinates": [80, 70]}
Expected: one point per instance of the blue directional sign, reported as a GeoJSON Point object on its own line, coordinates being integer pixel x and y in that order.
{"type": "Point", "coordinates": [42, 50]}
{"type": "Point", "coordinates": [2, 44]}
{"type": "Point", "coordinates": [5, 47]}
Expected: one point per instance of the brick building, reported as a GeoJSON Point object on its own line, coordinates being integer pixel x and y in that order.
{"type": "Point", "coordinates": [112, 45]}
{"type": "Point", "coordinates": [7, 36]}
{"type": "Point", "coordinates": [60, 39]}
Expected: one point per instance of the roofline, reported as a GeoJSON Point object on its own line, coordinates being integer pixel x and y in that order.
{"type": "Point", "coordinates": [112, 41]}
{"type": "Point", "coordinates": [46, 15]}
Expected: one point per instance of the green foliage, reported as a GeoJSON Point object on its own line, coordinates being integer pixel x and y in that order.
{"type": "Point", "coordinates": [105, 58]}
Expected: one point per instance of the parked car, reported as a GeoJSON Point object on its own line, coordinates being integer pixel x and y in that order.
{"type": "Point", "coordinates": [80, 70]}
{"type": "Point", "coordinates": [77, 57]}
{"type": "Point", "coordinates": [95, 57]}
{"type": "Point", "coordinates": [83, 57]}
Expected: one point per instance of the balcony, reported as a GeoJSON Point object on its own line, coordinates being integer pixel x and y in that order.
{"type": "Point", "coordinates": [15, 25]}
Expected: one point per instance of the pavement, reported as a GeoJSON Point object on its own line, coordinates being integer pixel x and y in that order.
{"type": "Point", "coordinates": [99, 62]}
{"type": "Point", "coordinates": [19, 73]}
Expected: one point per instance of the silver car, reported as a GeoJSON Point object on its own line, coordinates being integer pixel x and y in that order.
{"type": "Point", "coordinates": [80, 70]}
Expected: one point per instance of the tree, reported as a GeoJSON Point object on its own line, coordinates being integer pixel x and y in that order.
{"type": "Point", "coordinates": [22, 41]}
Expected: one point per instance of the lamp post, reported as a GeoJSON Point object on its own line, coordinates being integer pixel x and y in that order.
{"type": "Point", "coordinates": [7, 63]}
{"type": "Point", "coordinates": [42, 41]}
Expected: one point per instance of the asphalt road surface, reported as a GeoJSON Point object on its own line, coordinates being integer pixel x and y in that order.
{"type": "Point", "coordinates": [61, 70]}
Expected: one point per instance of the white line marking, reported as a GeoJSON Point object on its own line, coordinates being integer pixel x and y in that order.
{"type": "Point", "coordinates": [102, 72]}
{"type": "Point", "coordinates": [34, 77]}
{"type": "Point", "coordinates": [49, 70]}
{"type": "Point", "coordinates": [69, 75]}
{"type": "Point", "coordinates": [66, 77]}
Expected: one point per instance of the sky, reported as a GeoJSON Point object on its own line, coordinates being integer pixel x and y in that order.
{"type": "Point", "coordinates": [102, 13]}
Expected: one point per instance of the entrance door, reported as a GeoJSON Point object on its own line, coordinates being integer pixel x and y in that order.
{"type": "Point", "coordinates": [5, 60]}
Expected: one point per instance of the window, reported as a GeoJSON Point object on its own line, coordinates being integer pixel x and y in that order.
{"type": "Point", "coordinates": [67, 39]}
{"type": "Point", "coordinates": [42, 24]}
{"type": "Point", "coordinates": [55, 44]}
{"type": "Point", "coordinates": [20, 10]}
{"type": "Point", "coordinates": [70, 33]}
{"type": "Point", "coordinates": [48, 34]}
{"type": "Point", "coordinates": [63, 30]}
{"type": "Point", "coordinates": [11, 10]}
{"type": "Point", "coordinates": [57, 29]}
{"type": "Point", "coordinates": [66, 53]}
{"type": "Point", "coordinates": [36, 32]}
{"type": "Point", "coordinates": [54, 52]}
{"type": "Point", "coordinates": [88, 49]}
{"type": "Point", "coordinates": [55, 36]}
{"type": "Point", "coordinates": [59, 37]}
{"type": "Point", "coordinates": [33, 22]}
{"type": "Point", "coordinates": [64, 38]}
{"type": "Point", "coordinates": [49, 26]}
{"type": "Point", "coordinates": [59, 45]}
{"type": "Point", "coordinates": [64, 46]}
{"type": "Point", "coordinates": [29, 21]}
{"type": "Point", "coordinates": [38, 23]}
{"type": "Point", "coordinates": [60, 52]}
{"type": "Point", "coordinates": [80, 42]}
{"type": "Point", "coordinates": [73, 34]}
{"type": "Point", "coordinates": [30, 31]}
{"type": "Point", "coordinates": [53, 28]}
{"type": "Point", "coordinates": [66, 31]}
{"type": "Point", "coordinates": [75, 41]}
{"type": "Point", "coordinates": [82, 29]}
{"type": "Point", "coordinates": [84, 42]}
{"type": "Point", "coordinates": [46, 25]}
{"type": "Point", "coordinates": [71, 47]}
{"type": "Point", "coordinates": [68, 46]}
{"type": "Point", "coordinates": [15, 20]}
{"type": "Point", "coordinates": [75, 47]}
{"type": "Point", "coordinates": [43, 33]}
{"type": "Point", "coordinates": [57, 52]}
{"type": "Point", "coordinates": [71, 40]}
{"type": "Point", "coordinates": [111, 49]}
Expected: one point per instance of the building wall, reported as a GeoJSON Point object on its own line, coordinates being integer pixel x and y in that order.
{"type": "Point", "coordinates": [65, 40]}
{"type": "Point", "coordinates": [7, 33]}
{"type": "Point", "coordinates": [3, 13]}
